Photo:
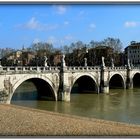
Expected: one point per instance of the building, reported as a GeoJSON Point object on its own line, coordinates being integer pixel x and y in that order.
{"type": "Point", "coordinates": [133, 53]}
{"type": "Point", "coordinates": [18, 54]}
{"type": "Point", "coordinates": [18, 58]}
{"type": "Point", "coordinates": [27, 57]}
{"type": "Point", "coordinates": [57, 59]}
{"type": "Point", "coordinates": [95, 55]}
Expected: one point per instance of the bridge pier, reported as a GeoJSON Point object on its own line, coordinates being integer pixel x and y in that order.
{"type": "Point", "coordinates": [129, 80]}
{"type": "Point", "coordinates": [104, 86]}
{"type": "Point", "coordinates": [104, 89]}
{"type": "Point", "coordinates": [129, 84]}
{"type": "Point", "coordinates": [66, 94]}
{"type": "Point", "coordinates": [64, 88]}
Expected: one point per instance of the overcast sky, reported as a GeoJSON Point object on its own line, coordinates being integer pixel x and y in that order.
{"type": "Point", "coordinates": [63, 24]}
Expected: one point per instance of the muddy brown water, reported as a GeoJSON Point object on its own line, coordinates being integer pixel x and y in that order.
{"type": "Point", "coordinates": [119, 105]}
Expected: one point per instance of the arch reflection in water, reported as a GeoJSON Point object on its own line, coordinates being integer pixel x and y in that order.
{"type": "Point", "coordinates": [136, 80]}
{"type": "Point", "coordinates": [32, 90]}
{"type": "Point", "coordinates": [84, 84]}
{"type": "Point", "coordinates": [116, 81]}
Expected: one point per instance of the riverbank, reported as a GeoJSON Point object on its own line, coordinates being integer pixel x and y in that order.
{"type": "Point", "coordinates": [22, 121]}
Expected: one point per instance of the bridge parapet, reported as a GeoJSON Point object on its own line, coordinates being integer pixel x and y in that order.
{"type": "Point", "coordinates": [27, 69]}
{"type": "Point", "coordinates": [136, 68]}
{"type": "Point", "coordinates": [81, 68]}
{"type": "Point", "coordinates": [117, 68]}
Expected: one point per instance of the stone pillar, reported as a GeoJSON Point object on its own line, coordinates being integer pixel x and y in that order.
{"type": "Point", "coordinates": [38, 69]}
{"type": "Point", "coordinates": [64, 88]}
{"type": "Point", "coordinates": [8, 69]}
{"type": "Point", "coordinates": [23, 69]}
{"type": "Point", "coordinates": [16, 68]}
{"type": "Point", "coordinates": [104, 87]}
{"type": "Point", "coordinates": [129, 81]}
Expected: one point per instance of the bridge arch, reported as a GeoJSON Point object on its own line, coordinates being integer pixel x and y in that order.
{"type": "Point", "coordinates": [117, 81]}
{"type": "Point", "coordinates": [136, 79]}
{"type": "Point", "coordinates": [87, 81]}
{"type": "Point", "coordinates": [29, 77]}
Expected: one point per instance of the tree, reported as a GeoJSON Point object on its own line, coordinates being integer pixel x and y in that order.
{"type": "Point", "coordinates": [114, 43]}
{"type": "Point", "coordinates": [6, 51]}
{"type": "Point", "coordinates": [41, 46]}
{"type": "Point", "coordinates": [94, 44]}
{"type": "Point", "coordinates": [67, 49]}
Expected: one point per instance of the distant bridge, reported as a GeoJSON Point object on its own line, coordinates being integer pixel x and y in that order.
{"type": "Point", "coordinates": [61, 80]}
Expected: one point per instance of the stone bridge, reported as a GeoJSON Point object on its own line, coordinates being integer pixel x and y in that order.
{"type": "Point", "coordinates": [61, 80]}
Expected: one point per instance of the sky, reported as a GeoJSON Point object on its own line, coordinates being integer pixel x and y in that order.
{"type": "Point", "coordinates": [63, 24]}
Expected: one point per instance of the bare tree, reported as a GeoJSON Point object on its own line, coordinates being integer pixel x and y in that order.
{"type": "Point", "coordinates": [114, 43]}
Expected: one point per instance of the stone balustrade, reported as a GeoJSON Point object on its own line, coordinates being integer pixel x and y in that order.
{"type": "Point", "coordinates": [27, 69]}
{"type": "Point", "coordinates": [136, 68]}
{"type": "Point", "coordinates": [82, 68]}
{"type": "Point", "coordinates": [117, 68]}
{"type": "Point", "coordinates": [62, 78]}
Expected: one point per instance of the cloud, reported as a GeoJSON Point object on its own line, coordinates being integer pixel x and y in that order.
{"type": "Point", "coordinates": [91, 27]}
{"type": "Point", "coordinates": [34, 24]}
{"type": "Point", "coordinates": [60, 9]}
{"type": "Point", "coordinates": [66, 22]}
{"type": "Point", "coordinates": [130, 24]}
{"type": "Point", "coordinates": [68, 37]}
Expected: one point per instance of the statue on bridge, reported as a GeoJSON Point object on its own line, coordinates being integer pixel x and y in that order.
{"type": "Point", "coordinates": [128, 63]}
{"type": "Point", "coordinates": [103, 62]}
{"type": "Point", "coordinates": [112, 62]}
{"type": "Point", "coordinates": [45, 61]}
{"type": "Point", "coordinates": [63, 61]}
{"type": "Point", "coordinates": [85, 60]}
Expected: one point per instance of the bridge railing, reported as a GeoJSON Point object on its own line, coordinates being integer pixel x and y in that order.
{"type": "Point", "coordinates": [81, 68]}
{"type": "Point", "coordinates": [136, 68]}
{"type": "Point", "coordinates": [26, 69]}
{"type": "Point", "coordinates": [117, 68]}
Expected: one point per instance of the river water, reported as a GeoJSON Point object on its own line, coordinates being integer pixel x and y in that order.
{"type": "Point", "coordinates": [119, 105]}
